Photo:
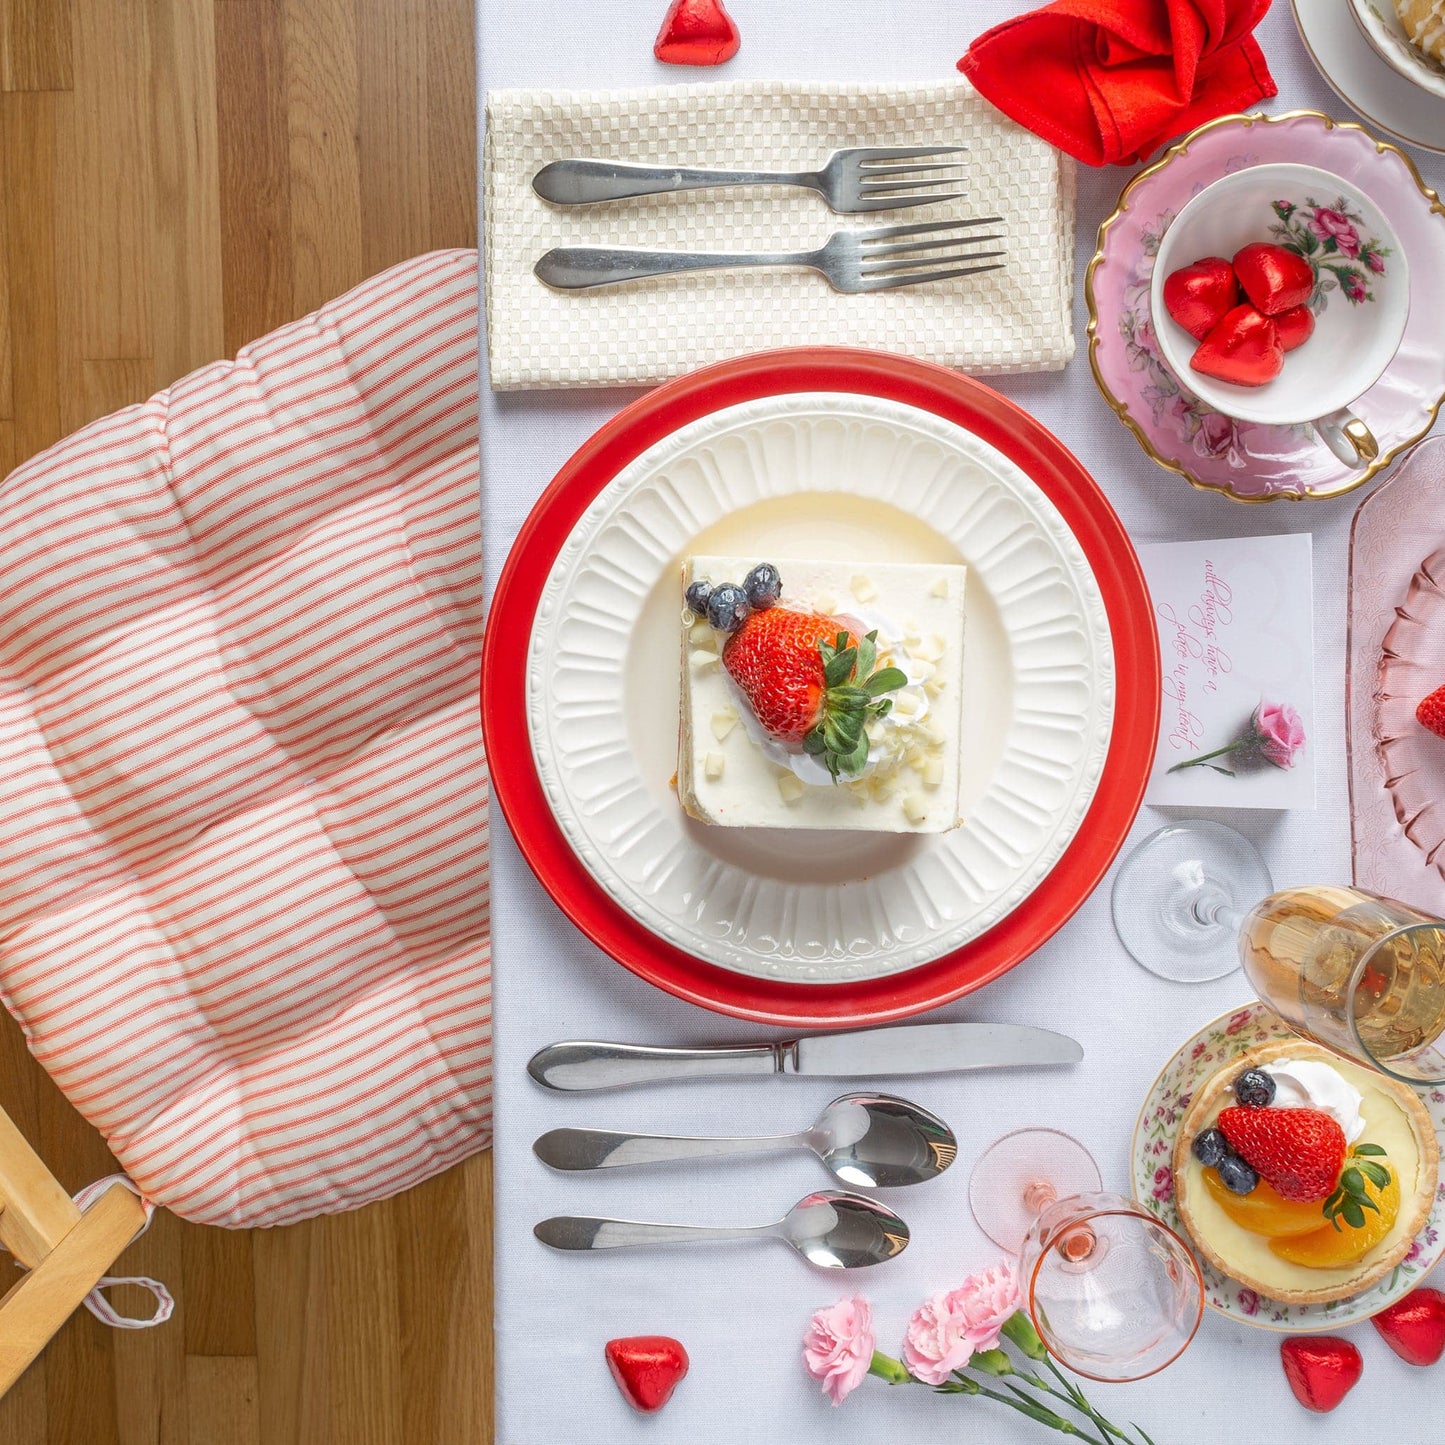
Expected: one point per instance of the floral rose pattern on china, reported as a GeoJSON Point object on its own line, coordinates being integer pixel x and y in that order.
{"type": "Point", "coordinates": [1332, 240]}
{"type": "Point", "coordinates": [1154, 1144]}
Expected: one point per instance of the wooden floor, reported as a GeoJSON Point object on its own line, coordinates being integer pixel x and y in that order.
{"type": "Point", "coordinates": [176, 178]}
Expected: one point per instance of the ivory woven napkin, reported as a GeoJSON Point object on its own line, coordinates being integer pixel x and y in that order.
{"type": "Point", "coordinates": [1016, 319]}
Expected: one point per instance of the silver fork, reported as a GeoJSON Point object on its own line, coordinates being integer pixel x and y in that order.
{"type": "Point", "coordinates": [880, 259]}
{"type": "Point", "coordinates": [868, 178]}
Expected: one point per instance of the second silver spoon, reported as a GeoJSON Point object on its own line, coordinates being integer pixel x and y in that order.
{"type": "Point", "coordinates": [871, 1141]}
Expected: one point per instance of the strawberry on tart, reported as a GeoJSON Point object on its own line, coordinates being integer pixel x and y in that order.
{"type": "Point", "coordinates": [825, 695]}
{"type": "Point", "coordinates": [1302, 1174]}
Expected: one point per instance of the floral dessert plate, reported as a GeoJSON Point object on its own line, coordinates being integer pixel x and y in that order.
{"type": "Point", "coordinates": [1245, 460]}
{"type": "Point", "coordinates": [823, 454]}
{"type": "Point", "coordinates": [1396, 657]}
{"type": "Point", "coordinates": [1152, 1179]}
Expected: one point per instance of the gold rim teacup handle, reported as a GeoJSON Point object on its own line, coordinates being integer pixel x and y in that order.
{"type": "Point", "coordinates": [1348, 438]}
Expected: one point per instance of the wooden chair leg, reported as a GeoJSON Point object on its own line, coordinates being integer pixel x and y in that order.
{"type": "Point", "coordinates": [45, 1297]}
{"type": "Point", "coordinates": [37, 1213]}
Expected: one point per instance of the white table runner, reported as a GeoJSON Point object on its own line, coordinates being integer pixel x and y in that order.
{"type": "Point", "coordinates": [740, 1310]}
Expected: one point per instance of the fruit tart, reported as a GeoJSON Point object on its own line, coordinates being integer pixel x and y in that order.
{"type": "Point", "coordinates": [1302, 1174]}
{"type": "Point", "coordinates": [821, 694]}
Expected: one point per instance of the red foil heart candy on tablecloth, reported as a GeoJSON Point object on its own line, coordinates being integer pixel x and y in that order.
{"type": "Point", "coordinates": [697, 32]}
{"type": "Point", "coordinates": [647, 1369]}
{"type": "Point", "coordinates": [1243, 349]}
{"type": "Point", "coordinates": [1414, 1327]}
{"type": "Point", "coordinates": [1273, 278]}
{"type": "Point", "coordinates": [1320, 1371]}
{"type": "Point", "coordinates": [1199, 295]}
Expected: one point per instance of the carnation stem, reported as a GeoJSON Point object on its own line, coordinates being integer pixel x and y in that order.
{"type": "Point", "coordinates": [1082, 1404]}
{"type": "Point", "coordinates": [887, 1368]}
{"type": "Point", "coordinates": [1042, 1414]}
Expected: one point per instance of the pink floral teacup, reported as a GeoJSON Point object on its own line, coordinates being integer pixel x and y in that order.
{"type": "Point", "coordinates": [1361, 299]}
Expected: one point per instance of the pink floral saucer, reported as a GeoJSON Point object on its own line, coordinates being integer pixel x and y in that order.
{"type": "Point", "coordinates": [1153, 1181]}
{"type": "Point", "coordinates": [1245, 460]}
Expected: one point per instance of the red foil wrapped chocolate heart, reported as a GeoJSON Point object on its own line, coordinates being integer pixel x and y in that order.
{"type": "Point", "coordinates": [1294, 326]}
{"type": "Point", "coordinates": [1414, 1327]}
{"type": "Point", "coordinates": [1243, 349]}
{"type": "Point", "coordinates": [647, 1369]}
{"type": "Point", "coordinates": [1274, 279]}
{"type": "Point", "coordinates": [1198, 296]}
{"type": "Point", "coordinates": [1321, 1372]}
{"type": "Point", "coordinates": [697, 32]}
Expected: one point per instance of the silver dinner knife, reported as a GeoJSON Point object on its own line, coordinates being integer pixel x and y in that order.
{"type": "Point", "coordinates": [912, 1049]}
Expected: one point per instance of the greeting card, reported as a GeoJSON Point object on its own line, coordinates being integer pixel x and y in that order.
{"type": "Point", "coordinates": [1236, 636]}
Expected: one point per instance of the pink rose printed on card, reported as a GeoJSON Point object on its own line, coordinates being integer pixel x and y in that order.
{"type": "Point", "coordinates": [838, 1346]}
{"type": "Point", "coordinates": [1274, 735]}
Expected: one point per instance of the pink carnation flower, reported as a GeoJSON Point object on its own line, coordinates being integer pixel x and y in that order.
{"type": "Point", "coordinates": [947, 1330]}
{"type": "Point", "coordinates": [838, 1346]}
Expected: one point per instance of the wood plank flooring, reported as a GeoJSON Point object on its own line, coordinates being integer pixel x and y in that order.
{"type": "Point", "coordinates": [178, 177]}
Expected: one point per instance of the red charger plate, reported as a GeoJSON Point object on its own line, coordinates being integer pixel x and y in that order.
{"type": "Point", "coordinates": [915, 383]}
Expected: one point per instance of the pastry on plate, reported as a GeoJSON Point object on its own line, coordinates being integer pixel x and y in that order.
{"type": "Point", "coordinates": [821, 694]}
{"type": "Point", "coordinates": [1424, 22]}
{"type": "Point", "coordinates": [1302, 1174]}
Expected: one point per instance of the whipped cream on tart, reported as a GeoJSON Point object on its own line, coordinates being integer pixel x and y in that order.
{"type": "Point", "coordinates": [1290, 1248]}
{"type": "Point", "coordinates": [821, 694]}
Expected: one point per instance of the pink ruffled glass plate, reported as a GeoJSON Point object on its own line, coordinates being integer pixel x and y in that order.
{"type": "Point", "coordinates": [1396, 657]}
{"type": "Point", "coordinates": [1197, 1060]}
{"type": "Point", "coordinates": [1245, 461]}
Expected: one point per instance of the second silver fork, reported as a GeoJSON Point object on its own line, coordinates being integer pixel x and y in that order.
{"type": "Point", "coordinates": [882, 258]}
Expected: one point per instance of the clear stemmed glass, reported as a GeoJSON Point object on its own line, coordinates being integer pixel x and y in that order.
{"type": "Point", "coordinates": [1114, 1294]}
{"type": "Point", "coordinates": [1358, 973]}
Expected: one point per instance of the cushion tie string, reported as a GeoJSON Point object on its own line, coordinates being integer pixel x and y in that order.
{"type": "Point", "coordinates": [95, 1301]}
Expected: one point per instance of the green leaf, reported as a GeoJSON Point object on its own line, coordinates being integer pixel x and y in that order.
{"type": "Point", "coordinates": [1352, 1181]}
{"type": "Point", "coordinates": [1375, 1174]}
{"type": "Point", "coordinates": [813, 742]}
{"type": "Point", "coordinates": [838, 669]}
{"type": "Point", "coordinates": [883, 708]}
{"type": "Point", "coordinates": [867, 654]}
{"type": "Point", "coordinates": [1354, 1215]}
{"type": "Point", "coordinates": [890, 679]}
{"type": "Point", "coordinates": [857, 760]}
{"type": "Point", "coordinates": [1368, 1149]}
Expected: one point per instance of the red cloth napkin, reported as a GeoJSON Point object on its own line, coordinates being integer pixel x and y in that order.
{"type": "Point", "coordinates": [1109, 81]}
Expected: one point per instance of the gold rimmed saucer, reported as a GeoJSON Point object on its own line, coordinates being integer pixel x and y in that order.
{"type": "Point", "coordinates": [1246, 461]}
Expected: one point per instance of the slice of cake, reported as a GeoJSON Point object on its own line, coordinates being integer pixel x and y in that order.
{"type": "Point", "coordinates": [1302, 1174]}
{"type": "Point", "coordinates": [1424, 22]}
{"type": "Point", "coordinates": [821, 694]}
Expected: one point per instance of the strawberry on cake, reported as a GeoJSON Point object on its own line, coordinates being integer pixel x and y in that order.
{"type": "Point", "coordinates": [821, 695]}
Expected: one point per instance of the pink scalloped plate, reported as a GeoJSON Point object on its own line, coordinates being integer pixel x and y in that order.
{"type": "Point", "coordinates": [1396, 657]}
{"type": "Point", "coordinates": [1243, 460]}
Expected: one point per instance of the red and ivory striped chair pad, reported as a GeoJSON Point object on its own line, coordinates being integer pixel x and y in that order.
{"type": "Point", "coordinates": [243, 834]}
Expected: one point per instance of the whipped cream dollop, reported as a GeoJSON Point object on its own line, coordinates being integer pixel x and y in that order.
{"type": "Point", "coordinates": [1310, 1084]}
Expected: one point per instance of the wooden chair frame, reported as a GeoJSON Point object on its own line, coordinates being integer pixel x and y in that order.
{"type": "Point", "coordinates": [65, 1251]}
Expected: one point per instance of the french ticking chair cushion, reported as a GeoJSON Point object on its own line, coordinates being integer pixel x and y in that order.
{"type": "Point", "coordinates": [243, 836]}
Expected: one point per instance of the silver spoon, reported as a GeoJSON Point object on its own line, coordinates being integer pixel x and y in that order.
{"type": "Point", "coordinates": [871, 1141]}
{"type": "Point", "coordinates": [831, 1229]}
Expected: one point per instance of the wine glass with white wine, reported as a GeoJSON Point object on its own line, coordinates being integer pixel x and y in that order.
{"type": "Point", "coordinates": [1361, 974]}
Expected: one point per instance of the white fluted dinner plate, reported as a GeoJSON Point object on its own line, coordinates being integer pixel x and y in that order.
{"type": "Point", "coordinates": [821, 475]}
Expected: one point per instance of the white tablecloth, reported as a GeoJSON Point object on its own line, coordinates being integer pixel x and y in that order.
{"type": "Point", "coordinates": [740, 1309]}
